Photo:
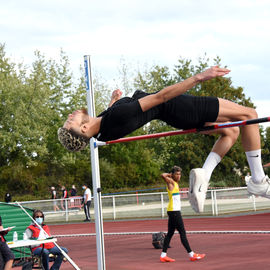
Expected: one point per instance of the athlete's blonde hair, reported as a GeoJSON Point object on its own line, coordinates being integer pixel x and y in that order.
{"type": "Point", "coordinates": [72, 141]}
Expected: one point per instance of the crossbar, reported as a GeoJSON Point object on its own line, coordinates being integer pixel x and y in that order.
{"type": "Point", "coordinates": [187, 131]}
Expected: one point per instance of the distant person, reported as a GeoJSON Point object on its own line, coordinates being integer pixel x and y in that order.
{"type": "Point", "coordinates": [247, 178]}
{"type": "Point", "coordinates": [86, 202]}
{"type": "Point", "coordinates": [8, 197]}
{"type": "Point", "coordinates": [175, 220]}
{"type": "Point", "coordinates": [73, 191]}
{"type": "Point", "coordinates": [34, 232]}
{"type": "Point", "coordinates": [6, 255]}
{"type": "Point", "coordinates": [54, 197]}
{"type": "Point", "coordinates": [64, 197]}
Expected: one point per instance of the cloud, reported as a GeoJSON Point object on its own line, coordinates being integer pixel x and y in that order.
{"type": "Point", "coordinates": [144, 32]}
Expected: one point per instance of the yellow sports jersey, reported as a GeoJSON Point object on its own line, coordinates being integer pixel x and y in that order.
{"type": "Point", "coordinates": [174, 198]}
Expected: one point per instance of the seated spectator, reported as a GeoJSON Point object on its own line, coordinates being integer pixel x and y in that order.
{"type": "Point", "coordinates": [6, 255]}
{"type": "Point", "coordinates": [34, 232]}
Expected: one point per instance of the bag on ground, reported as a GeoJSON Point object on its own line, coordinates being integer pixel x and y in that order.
{"type": "Point", "coordinates": [158, 240]}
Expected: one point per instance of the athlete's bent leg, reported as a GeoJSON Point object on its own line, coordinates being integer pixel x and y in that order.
{"type": "Point", "coordinates": [199, 178]}
{"type": "Point", "coordinates": [260, 183]}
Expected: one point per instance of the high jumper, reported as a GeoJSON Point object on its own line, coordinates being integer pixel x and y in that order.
{"type": "Point", "coordinates": [180, 111]}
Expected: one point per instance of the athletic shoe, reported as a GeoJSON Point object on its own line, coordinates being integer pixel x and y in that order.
{"type": "Point", "coordinates": [166, 259]}
{"type": "Point", "coordinates": [198, 186]}
{"type": "Point", "coordinates": [261, 189]}
{"type": "Point", "coordinates": [197, 257]}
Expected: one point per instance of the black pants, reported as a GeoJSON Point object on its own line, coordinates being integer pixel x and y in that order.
{"type": "Point", "coordinates": [176, 222]}
{"type": "Point", "coordinates": [86, 208]}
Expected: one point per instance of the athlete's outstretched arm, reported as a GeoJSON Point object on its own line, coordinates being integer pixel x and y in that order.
{"type": "Point", "coordinates": [178, 89]}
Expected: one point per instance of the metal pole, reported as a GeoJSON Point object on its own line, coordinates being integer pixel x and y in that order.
{"type": "Point", "coordinates": [162, 204]}
{"type": "Point", "coordinates": [216, 206]}
{"type": "Point", "coordinates": [95, 170]}
{"type": "Point", "coordinates": [254, 202]}
{"type": "Point", "coordinates": [213, 203]}
{"type": "Point", "coordinates": [114, 210]}
{"type": "Point", "coordinates": [66, 207]}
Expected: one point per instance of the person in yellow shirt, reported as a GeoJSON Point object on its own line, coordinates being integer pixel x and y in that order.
{"type": "Point", "coordinates": [175, 220]}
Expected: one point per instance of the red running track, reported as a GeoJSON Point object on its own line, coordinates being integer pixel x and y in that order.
{"type": "Point", "coordinates": [223, 251]}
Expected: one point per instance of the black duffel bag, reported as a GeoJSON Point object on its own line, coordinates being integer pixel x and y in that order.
{"type": "Point", "coordinates": [158, 240]}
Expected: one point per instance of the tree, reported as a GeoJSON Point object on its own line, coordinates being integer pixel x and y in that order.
{"type": "Point", "coordinates": [34, 103]}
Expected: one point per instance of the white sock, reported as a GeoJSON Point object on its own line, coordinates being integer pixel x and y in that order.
{"type": "Point", "coordinates": [255, 164]}
{"type": "Point", "coordinates": [163, 254]}
{"type": "Point", "coordinates": [210, 164]}
{"type": "Point", "coordinates": [191, 253]}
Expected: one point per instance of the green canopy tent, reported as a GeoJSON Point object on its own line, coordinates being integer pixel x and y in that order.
{"type": "Point", "coordinates": [13, 215]}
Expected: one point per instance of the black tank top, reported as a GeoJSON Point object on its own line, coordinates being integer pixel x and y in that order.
{"type": "Point", "coordinates": [125, 116]}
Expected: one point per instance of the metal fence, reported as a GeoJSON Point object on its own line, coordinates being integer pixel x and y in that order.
{"type": "Point", "coordinates": [151, 205]}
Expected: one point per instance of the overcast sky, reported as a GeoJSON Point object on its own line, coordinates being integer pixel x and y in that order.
{"type": "Point", "coordinates": [145, 32]}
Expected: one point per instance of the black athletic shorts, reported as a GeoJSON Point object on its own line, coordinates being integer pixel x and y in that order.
{"type": "Point", "coordinates": [185, 111]}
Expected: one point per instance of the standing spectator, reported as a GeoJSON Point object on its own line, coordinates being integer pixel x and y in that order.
{"type": "Point", "coordinates": [54, 197]}
{"type": "Point", "coordinates": [247, 178]}
{"type": "Point", "coordinates": [64, 197]}
{"type": "Point", "coordinates": [8, 197]}
{"type": "Point", "coordinates": [73, 191]}
{"type": "Point", "coordinates": [86, 202]}
{"type": "Point", "coordinates": [7, 257]}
